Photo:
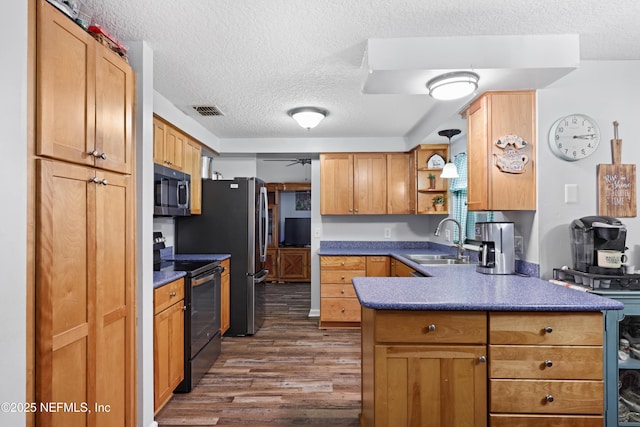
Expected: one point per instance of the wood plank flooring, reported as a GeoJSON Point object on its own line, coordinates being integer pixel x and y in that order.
{"type": "Point", "coordinates": [289, 373]}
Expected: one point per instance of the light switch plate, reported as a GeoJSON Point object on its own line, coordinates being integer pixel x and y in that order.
{"type": "Point", "coordinates": [571, 193]}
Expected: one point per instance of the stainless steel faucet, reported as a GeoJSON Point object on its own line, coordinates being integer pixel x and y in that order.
{"type": "Point", "coordinates": [459, 244]}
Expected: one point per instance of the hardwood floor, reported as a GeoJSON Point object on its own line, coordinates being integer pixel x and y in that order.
{"type": "Point", "coordinates": [289, 373]}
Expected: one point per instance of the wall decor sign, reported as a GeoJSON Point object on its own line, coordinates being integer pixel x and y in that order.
{"type": "Point", "coordinates": [436, 162]}
{"type": "Point", "coordinates": [617, 184]}
{"type": "Point", "coordinates": [303, 200]}
{"type": "Point", "coordinates": [512, 159]}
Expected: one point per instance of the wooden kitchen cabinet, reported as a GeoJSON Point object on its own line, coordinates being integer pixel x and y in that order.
{"type": "Point", "coordinates": [424, 368]}
{"type": "Point", "coordinates": [553, 362]}
{"type": "Point", "coordinates": [353, 183]}
{"type": "Point", "coordinates": [84, 293]}
{"type": "Point", "coordinates": [225, 296]}
{"type": "Point", "coordinates": [400, 269]}
{"type": "Point", "coordinates": [339, 305]}
{"type": "Point", "coordinates": [271, 264]}
{"type": "Point", "coordinates": [169, 145]}
{"type": "Point", "coordinates": [429, 161]}
{"type": "Point", "coordinates": [378, 266]}
{"type": "Point", "coordinates": [168, 340]}
{"type": "Point", "coordinates": [504, 117]}
{"type": "Point", "coordinates": [193, 166]}
{"type": "Point", "coordinates": [85, 92]}
{"type": "Point", "coordinates": [401, 184]}
{"type": "Point", "coordinates": [294, 264]}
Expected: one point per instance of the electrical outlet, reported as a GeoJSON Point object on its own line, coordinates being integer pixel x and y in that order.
{"type": "Point", "coordinates": [387, 233]}
{"type": "Point", "coordinates": [316, 232]}
{"type": "Point", "coordinates": [519, 245]}
{"type": "Point", "coordinates": [447, 235]}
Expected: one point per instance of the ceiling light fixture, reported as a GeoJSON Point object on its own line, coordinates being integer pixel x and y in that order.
{"type": "Point", "coordinates": [308, 117]}
{"type": "Point", "coordinates": [449, 170]}
{"type": "Point", "coordinates": [457, 84]}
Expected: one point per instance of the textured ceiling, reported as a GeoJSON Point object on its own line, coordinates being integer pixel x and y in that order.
{"type": "Point", "coordinates": [256, 60]}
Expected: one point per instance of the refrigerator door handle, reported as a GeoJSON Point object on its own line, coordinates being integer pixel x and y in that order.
{"type": "Point", "coordinates": [264, 225]}
{"type": "Point", "coordinates": [260, 277]}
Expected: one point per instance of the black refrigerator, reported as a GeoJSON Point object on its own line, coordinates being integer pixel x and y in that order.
{"type": "Point", "coordinates": [234, 221]}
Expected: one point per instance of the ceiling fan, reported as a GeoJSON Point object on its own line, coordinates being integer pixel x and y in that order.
{"type": "Point", "coordinates": [293, 161]}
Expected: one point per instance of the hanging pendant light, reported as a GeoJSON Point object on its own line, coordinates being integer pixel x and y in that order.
{"type": "Point", "coordinates": [449, 170]}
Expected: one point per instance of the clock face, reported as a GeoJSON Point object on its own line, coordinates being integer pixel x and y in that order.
{"type": "Point", "coordinates": [574, 137]}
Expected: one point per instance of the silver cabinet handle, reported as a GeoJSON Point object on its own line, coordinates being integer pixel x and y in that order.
{"type": "Point", "coordinates": [342, 310]}
{"type": "Point", "coordinates": [548, 329]}
{"type": "Point", "coordinates": [548, 363]}
{"type": "Point", "coordinates": [342, 291]}
{"type": "Point", "coordinates": [97, 154]}
{"type": "Point", "coordinates": [104, 182]}
{"type": "Point", "coordinates": [94, 180]}
{"type": "Point", "coordinates": [548, 398]}
{"type": "Point", "coordinates": [172, 294]}
{"type": "Point", "coordinates": [431, 328]}
{"type": "Point", "coordinates": [482, 359]}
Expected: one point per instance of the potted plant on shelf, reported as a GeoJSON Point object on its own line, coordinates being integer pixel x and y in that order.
{"type": "Point", "coordinates": [438, 203]}
{"type": "Point", "coordinates": [432, 181]}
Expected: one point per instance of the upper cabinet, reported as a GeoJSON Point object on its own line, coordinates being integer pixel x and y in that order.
{"type": "Point", "coordinates": [85, 108]}
{"type": "Point", "coordinates": [353, 183]}
{"type": "Point", "coordinates": [400, 183]}
{"type": "Point", "coordinates": [169, 145]}
{"type": "Point", "coordinates": [432, 190]}
{"type": "Point", "coordinates": [501, 138]}
{"type": "Point", "coordinates": [193, 162]}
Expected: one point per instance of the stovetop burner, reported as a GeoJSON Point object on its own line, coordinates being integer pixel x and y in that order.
{"type": "Point", "coordinates": [626, 282]}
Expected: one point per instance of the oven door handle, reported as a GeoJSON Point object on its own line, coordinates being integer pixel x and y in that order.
{"type": "Point", "coordinates": [259, 278]}
{"type": "Point", "coordinates": [202, 280]}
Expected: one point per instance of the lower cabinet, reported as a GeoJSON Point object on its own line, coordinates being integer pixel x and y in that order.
{"type": "Point", "coordinates": [552, 362]}
{"type": "Point", "coordinates": [168, 341]}
{"type": "Point", "coordinates": [294, 264]}
{"type": "Point", "coordinates": [424, 368]}
{"type": "Point", "coordinates": [225, 297]}
{"type": "Point", "coordinates": [400, 269]}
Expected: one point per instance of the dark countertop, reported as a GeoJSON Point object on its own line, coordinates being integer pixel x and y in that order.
{"type": "Point", "coordinates": [161, 278]}
{"type": "Point", "coordinates": [460, 287]}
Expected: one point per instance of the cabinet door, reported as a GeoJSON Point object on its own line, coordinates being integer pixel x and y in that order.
{"type": "Point", "coordinates": [174, 148]}
{"type": "Point", "coordinates": [225, 299]}
{"type": "Point", "coordinates": [193, 159]}
{"type": "Point", "coordinates": [294, 264]}
{"type": "Point", "coordinates": [115, 298]}
{"type": "Point", "coordinates": [65, 87]}
{"type": "Point", "coordinates": [378, 266]}
{"type": "Point", "coordinates": [115, 86]}
{"type": "Point", "coordinates": [176, 344]}
{"type": "Point", "coordinates": [65, 290]}
{"type": "Point", "coordinates": [477, 146]}
{"type": "Point", "coordinates": [159, 136]}
{"type": "Point", "coordinates": [370, 183]}
{"type": "Point", "coordinates": [161, 351]}
{"type": "Point", "coordinates": [430, 386]}
{"type": "Point", "coordinates": [400, 184]}
{"type": "Point", "coordinates": [336, 183]}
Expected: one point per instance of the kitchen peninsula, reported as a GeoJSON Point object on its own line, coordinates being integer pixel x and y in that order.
{"type": "Point", "coordinates": [463, 348]}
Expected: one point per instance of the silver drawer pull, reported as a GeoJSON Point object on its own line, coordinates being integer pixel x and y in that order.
{"type": "Point", "coordinates": [431, 328]}
{"type": "Point", "coordinates": [548, 329]}
{"type": "Point", "coordinates": [342, 291]}
{"type": "Point", "coordinates": [342, 310]}
{"type": "Point", "coordinates": [482, 359]}
{"type": "Point", "coordinates": [548, 363]}
{"type": "Point", "coordinates": [341, 277]}
{"type": "Point", "coordinates": [548, 398]}
{"type": "Point", "coordinates": [172, 294]}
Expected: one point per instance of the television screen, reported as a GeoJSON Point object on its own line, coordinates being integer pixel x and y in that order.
{"type": "Point", "coordinates": [297, 231]}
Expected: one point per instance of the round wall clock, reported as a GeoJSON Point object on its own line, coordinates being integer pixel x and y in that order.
{"type": "Point", "coordinates": [574, 137]}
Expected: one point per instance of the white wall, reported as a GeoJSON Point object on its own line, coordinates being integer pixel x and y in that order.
{"type": "Point", "coordinates": [279, 171]}
{"type": "Point", "coordinates": [236, 166]}
{"type": "Point", "coordinates": [606, 91]}
{"type": "Point", "coordinates": [13, 187]}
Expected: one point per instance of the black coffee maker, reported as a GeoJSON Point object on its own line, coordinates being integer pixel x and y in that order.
{"type": "Point", "coordinates": [595, 236]}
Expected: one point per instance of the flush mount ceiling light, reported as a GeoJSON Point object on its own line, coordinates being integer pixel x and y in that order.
{"type": "Point", "coordinates": [449, 170]}
{"type": "Point", "coordinates": [308, 117]}
{"type": "Point", "coordinates": [453, 85]}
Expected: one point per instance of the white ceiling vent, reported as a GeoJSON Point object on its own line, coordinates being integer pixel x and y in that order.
{"type": "Point", "coordinates": [208, 110]}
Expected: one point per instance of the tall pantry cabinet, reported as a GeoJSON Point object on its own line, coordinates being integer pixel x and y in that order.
{"type": "Point", "coordinates": [84, 332]}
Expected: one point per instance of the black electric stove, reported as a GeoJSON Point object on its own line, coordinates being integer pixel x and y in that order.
{"type": "Point", "coordinates": [193, 268]}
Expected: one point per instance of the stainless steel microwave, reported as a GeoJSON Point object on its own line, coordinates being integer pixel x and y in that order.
{"type": "Point", "coordinates": [171, 195]}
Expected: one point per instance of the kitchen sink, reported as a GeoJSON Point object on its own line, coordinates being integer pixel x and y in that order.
{"type": "Point", "coordinates": [436, 259]}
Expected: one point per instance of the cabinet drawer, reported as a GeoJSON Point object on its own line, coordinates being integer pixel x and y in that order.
{"type": "Point", "coordinates": [337, 290]}
{"type": "Point", "coordinates": [337, 276]}
{"type": "Point", "coordinates": [464, 327]}
{"type": "Point", "coordinates": [339, 310]}
{"type": "Point", "coordinates": [514, 420]}
{"type": "Point", "coordinates": [343, 263]}
{"type": "Point", "coordinates": [167, 295]}
{"type": "Point", "coordinates": [529, 396]}
{"type": "Point", "coordinates": [570, 363]}
{"type": "Point", "coordinates": [584, 328]}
